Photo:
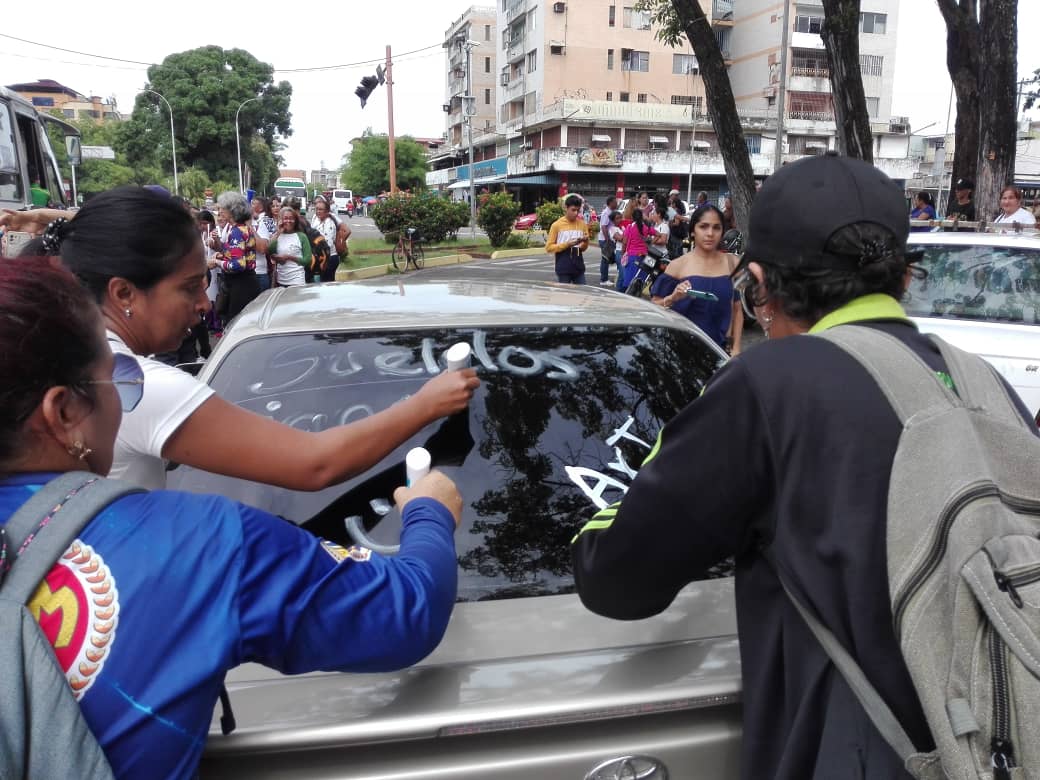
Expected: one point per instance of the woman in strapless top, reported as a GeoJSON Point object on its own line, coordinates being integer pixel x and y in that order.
{"type": "Point", "coordinates": [704, 269]}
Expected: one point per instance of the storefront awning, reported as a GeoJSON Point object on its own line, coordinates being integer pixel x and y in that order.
{"type": "Point", "coordinates": [662, 140]}
{"type": "Point", "coordinates": [491, 179]}
{"type": "Point", "coordinates": [701, 145]}
{"type": "Point", "coordinates": [544, 179]}
{"type": "Point", "coordinates": [600, 139]}
{"type": "Point", "coordinates": [459, 184]}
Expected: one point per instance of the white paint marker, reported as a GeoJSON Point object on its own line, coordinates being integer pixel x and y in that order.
{"type": "Point", "coordinates": [457, 356]}
{"type": "Point", "coordinates": [416, 465]}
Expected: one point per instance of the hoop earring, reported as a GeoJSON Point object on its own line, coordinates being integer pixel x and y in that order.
{"type": "Point", "coordinates": [79, 450]}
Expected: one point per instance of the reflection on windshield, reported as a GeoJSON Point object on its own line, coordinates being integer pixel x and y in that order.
{"type": "Point", "coordinates": [562, 421]}
{"type": "Point", "coordinates": [995, 284]}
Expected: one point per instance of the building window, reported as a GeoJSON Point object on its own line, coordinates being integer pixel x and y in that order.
{"type": "Point", "coordinates": [69, 113]}
{"type": "Point", "coordinates": [637, 20]}
{"type": "Point", "coordinates": [610, 59]}
{"type": "Point", "coordinates": [487, 97]}
{"type": "Point", "coordinates": [487, 32]}
{"type": "Point", "coordinates": [685, 64]}
{"type": "Point", "coordinates": [611, 16]}
{"type": "Point", "coordinates": [532, 61]}
{"type": "Point", "coordinates": [873, 107]}
{"type": "Point", "coordinates": [610, 96]}
{"type": "Point", "coordinates": [89, 113]}
{"type": "Point", "coordinates": [872, 23]}
{"type": "Point", "coordinates": [530, 102]}
{"type": "Point", "coordinates": [809, 62]}
{"type": "Point", "coordinates": [809, 23]}
{"type": "Point", "coordinates": [487, 64]}
{"type": "Point", "coordinates": [635, 60]}
{"type": "Point", "coordinates": [754, 144]}
{"type": "Point", "coordinates": [111, 115]}
{"type": "Point", "coordinates": [640, 97]}
{"type": "Point", "coordinates": [42, 101]}
{"type": "Point", "coordinates": [688, 100]}
{"type": "Point", "coordinates": [623, 97]}
{"type": "Point", "coordinates": [871, 64]}
{"type": "Point", "coordinates": [722, 35]}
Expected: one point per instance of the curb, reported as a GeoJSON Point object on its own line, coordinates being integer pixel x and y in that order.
{"type": "Point", "coordinates": [352, 274]}
{"type": "Point", "coordinates": [534, 250]}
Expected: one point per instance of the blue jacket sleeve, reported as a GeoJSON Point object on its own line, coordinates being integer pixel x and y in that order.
{"type": "Point", "coordinates": [306, 604]}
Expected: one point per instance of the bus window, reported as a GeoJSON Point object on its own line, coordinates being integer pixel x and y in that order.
{"type": "Point", "coordinates": [10, 180]}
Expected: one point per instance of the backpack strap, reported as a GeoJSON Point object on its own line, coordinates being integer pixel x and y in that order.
{"type": "Point", "coordinates": [908, 383]}
{"type": "Point", "coordinates": [978, 384]}
{"type": "Point", "coordinates": [44, 526]}
{"type": "Point", "coordinates": [877, 710]}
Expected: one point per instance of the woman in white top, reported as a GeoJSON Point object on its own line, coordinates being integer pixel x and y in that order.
{"type": "Point", "coordinates": [290, 250]}
{"type": "Point", "coordinates": [151, 287]}
{"type": "Point", "coordinates": [1011, 210]}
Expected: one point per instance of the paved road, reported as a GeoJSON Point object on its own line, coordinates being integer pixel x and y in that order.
{"type": "Point", "coordinates": [364, 227]}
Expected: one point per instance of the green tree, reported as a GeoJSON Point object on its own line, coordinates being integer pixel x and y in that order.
{"type": "Point", "coordinates": [205, 87]}
{"type": "Point", "coordinates": [496, 215]}
{"type": "Point", "coordinates": [367, 172]}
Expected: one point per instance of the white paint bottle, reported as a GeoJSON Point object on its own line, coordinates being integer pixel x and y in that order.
{"type": "Point", "coordinates": [416, 465]}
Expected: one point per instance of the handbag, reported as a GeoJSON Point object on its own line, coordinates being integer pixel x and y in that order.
{"type": "Point", "coordinates": [656, 252]}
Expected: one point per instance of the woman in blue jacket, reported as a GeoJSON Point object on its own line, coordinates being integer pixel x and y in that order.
{"type": "Point", "coordinates": [163, 592]}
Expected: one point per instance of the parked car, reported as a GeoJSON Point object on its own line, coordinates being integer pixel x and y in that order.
{"type": "Point", "coordinates": [526, 222]}
{"type": "Point", "coordinates": [982, 294]}
{"type": "Point", "coordinates": [577, 382]}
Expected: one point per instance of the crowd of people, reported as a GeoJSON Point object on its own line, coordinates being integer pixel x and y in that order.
{"type": "Point", "coordinates": [1010, 215]}
{"type": "Point", "coordinates": [759, 468]}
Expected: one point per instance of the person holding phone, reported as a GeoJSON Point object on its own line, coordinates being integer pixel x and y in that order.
{"type": "Point", "coordinates": [568, 238]}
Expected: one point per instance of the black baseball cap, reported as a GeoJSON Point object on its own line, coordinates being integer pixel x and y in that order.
{"type": "Point", "coordinates": [802, 205]}
{"type": "Point", "coordinates": [964, 184]}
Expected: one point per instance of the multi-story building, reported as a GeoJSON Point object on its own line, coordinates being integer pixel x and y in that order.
{"type": "Point", "coordinates": [473, 32]}
{"type": "Point", "coordinates": [49, 95]}
{"type": "Point", "coordinates": [591, 102]}
{"type": "Point", "coordinates": [325, 178]}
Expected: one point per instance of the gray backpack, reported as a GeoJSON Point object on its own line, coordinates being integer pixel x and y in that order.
{"type": "Point", "coordinates": [42, 732]}
{"type": "Point", "coordinates": [963, 564]}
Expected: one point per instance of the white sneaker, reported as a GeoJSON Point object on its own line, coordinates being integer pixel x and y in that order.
{"type": "Point", "coordinates": [606, 284]}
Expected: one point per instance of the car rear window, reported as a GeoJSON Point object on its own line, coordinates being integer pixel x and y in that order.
{"type": "Point", "coordinates": [986, 283]}
{"type": "Point", "coordinates": [562, 421]}
{"type": "Point", "coordinates": [339, 194]}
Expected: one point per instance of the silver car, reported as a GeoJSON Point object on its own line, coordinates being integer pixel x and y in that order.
{"type": "Point", "coordinates": [982, 294]}
{"type": "Point", "coordinates": [577, 382]}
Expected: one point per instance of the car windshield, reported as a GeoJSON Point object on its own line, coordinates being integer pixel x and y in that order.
{"type": "Point", "coordinates": [992, 284]}
{"type": "Point", "coordinates": [562, 421]}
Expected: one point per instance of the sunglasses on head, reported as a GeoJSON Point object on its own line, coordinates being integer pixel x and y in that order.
{"type": "Point", "coordinates": [127, 378]}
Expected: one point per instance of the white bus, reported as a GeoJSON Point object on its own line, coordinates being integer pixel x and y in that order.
{"type": "Point", "coordinates": [343, 201]}
{"type": "Point", "coordinates": [290, 187]}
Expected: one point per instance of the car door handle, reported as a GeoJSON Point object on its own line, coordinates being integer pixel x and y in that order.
{"type": "Point", "coordinates": [630, 768]}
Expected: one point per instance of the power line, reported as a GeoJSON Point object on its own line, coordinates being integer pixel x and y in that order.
{"type": "Point", "coordinates": [276, 70]}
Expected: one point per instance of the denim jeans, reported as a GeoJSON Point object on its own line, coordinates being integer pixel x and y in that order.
{"type": "Point", "coordinates": [606, 258]}
{"type": "Point", "coordinates": [571, 278]}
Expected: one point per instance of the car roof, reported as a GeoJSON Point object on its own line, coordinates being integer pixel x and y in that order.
{"type": "Point", "coordinates": [416, 304]}
{"type": "Point", "coordinates": [971, 238]}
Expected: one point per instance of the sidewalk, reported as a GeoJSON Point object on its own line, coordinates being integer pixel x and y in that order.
{"type": "Point", "coordinates": [353, 274]}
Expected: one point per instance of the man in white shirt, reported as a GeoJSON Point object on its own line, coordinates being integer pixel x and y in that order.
{"type": "Point", "coordinates": [606, 244]}
{"type": "Point", "coordinates": [264, 226]}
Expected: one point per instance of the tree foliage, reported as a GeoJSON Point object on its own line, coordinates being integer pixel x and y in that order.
{"type": "Point", "coordinates": [367, 171]}
{"type": "Point", "coordinates": [496, 215]}
{"type": "Point", "coordinates": [548, 212]}
{"type": "Point", "coordinates": [434, 216]}
{"type": "Point", "coordinates": [205, 88]}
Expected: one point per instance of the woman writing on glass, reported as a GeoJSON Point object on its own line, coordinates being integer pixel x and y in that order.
{"type": "Point", "coordinates": [151, 288]}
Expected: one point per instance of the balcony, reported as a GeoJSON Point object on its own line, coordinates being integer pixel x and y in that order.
{"type": "Point", "coordinates": [722, 13]}
{"type": "Point", "coordinates": [811, 116]}
{"type": "Point", "coordinates": [515, 10]}
{"type": "Point", "coordinates": [806, 83]}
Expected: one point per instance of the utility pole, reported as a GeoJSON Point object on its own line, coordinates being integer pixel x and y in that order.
{"type": "Point", "coordinates": [781, 100]}
{"type": "Point", "coordinates": [390, 119]}
{"type": "Point", "coordinates": [470, 110]}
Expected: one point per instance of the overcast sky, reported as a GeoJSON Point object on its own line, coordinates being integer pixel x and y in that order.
{"type": "Point", "coordinates": [325, 111]}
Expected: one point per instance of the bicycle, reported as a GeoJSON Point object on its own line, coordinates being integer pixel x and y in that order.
{"type": "Point", "coordinates": [408, 250]}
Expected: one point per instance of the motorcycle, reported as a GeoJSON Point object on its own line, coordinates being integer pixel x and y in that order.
{"type": "Point", "coordinates": [650, 267]}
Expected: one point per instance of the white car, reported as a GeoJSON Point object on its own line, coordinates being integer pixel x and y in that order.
{"type": "Point", "coordinates": [982, 294]}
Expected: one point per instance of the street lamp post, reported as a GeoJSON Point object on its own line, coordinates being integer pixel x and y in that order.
{"type": "Point", "coordinates": [238, 143]}
{"type": "Point", "coordinates": [173, 140]}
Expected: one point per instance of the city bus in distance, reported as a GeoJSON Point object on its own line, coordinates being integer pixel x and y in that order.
{"type": "Point", "coordinates": [290, 187]}
{"type": "Point", "coordinates": [343, 201]}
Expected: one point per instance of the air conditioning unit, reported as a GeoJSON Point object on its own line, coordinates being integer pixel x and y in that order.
{"type": "Point", "coordinates": [900, 128]}
{"type": "Point", "coordinates": [556, 48]}
{"type": "Point", "coordinates": [447, 108]}
{"type": "Point", "coordinates": [559, 8]}
{"type": "Point", "coordinates": [504, 80]}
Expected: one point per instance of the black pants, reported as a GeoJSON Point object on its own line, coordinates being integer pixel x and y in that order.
{"type": "Point", "coordinates": [242, 288]}
{"type": "Point", "coordinates": [329, 274]}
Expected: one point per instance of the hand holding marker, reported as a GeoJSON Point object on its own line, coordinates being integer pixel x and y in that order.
{"type": "Point", "coordinates": [416, 463]}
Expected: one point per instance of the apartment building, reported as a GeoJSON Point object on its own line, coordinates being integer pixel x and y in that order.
{"type": "Point", "coordinates": [48, 95]}
{"type": "Point", "coordinates": [589, 101]}
{"type": "Point", "coordinates": [475, 30]}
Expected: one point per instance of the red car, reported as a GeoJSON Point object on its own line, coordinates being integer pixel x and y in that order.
{"type": "Point", "coordinates": [525, 222]}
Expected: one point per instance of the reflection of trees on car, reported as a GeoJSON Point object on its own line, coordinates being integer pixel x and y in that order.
{"type": "Point", "coordinates": [528, 520]}
{"type": "Point", "coordinates": [987, 283]}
